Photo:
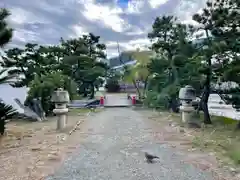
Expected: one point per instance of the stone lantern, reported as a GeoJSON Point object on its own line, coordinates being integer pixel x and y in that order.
{"type": "Point", "coordinates": [186, 96]}
{"type": "Point", "coordinates": [61, 98]}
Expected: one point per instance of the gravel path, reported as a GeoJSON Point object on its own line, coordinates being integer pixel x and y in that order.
{"type": "Point", "coordinates": [114, 150]}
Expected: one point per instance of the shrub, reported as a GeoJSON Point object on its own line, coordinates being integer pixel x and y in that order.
{"type": "Point", "coordinates": [156, 100]}
{"type": "Point", "coordinates": [164, 98]}
{"type": "Point", "coordinates": [112, 86]}
{"type": "Point", "coordinates": [6, 112]}
{"type": "Point", "coordinates": [44, 86]}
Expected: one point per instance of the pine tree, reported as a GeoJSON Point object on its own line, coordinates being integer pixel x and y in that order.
{"type": "Point", "coordinates": [6, 33]}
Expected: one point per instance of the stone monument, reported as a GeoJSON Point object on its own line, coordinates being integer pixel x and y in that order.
{"type": "Point", "coordinates": [37, 108]}
{"type": "Point", "coordinates": [61, 98]}
{"type": "Point", "coordinates": [28, 112]}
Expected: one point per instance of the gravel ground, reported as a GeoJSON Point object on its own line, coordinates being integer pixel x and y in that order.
{"type": "Point", "coordinates": [114, 149]}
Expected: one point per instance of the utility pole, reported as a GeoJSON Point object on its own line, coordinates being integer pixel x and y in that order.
{"type": "Point", "coordinates": [119, 54]}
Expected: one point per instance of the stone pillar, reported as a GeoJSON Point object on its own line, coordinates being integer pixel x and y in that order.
{"type": "Point", "coordinates": [60, 98]}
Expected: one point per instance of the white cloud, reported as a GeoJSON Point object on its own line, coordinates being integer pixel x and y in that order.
{"type": "Point", "coordinates": [135, 7]}
{"type": "Point", "coordinates": [46, 21]}
{"type": "Point", "coordinates": [57, 10]}
{"type": "Point", "coordinates": [188, 17]}
{"type": "Point", "coordinates": [130, 45]}
{"type": "Point", "coordinates": [112, 49]}
{"type": "Point", "coordinates": [138, 43]}
{"type": "Point", "coordinates": [26, 36]}
{"type": "Point", "coordinates": [190, 21]}
{"type": "Point", "coordinates": [156, 3]}
{"type": "Point", "coordinates": [187, 8]}
{"type": "Point", "coordinates": [112, 53]}
{"type": "Point", "coordinates": [21, 16]}
{"type": "Point", "coordinates": [79, 30]}
{"type": "Point", "coordinates": [105, 14]}
{"type": "Point", "coordinates": [136, 31]}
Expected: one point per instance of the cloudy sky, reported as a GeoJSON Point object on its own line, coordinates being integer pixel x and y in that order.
{"type": "Point", "coordinates": [125, 21]}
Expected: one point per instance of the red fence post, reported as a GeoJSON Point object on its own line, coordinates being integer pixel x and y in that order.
{"type": "Point", "coordinates": [101, 101]}
{"type": "Point", "coordinates": [133, 100]}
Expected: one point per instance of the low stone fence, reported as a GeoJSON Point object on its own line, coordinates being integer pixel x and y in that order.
{"type": "Point", "coordinates": [220, 111]}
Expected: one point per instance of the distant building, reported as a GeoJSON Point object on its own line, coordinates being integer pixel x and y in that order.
{"type": "Point", "coordinates": [117, 61]}
{"type": "Point", "coordinates": [120, 67]}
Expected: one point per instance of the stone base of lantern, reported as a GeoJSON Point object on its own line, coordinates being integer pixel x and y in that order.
{"type": "Point", "coordinates": [186, 110]}
{"type": "Point", "coordinates": [62, 117]}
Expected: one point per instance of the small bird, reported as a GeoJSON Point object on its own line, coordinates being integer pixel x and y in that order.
{"type": "Point", "coordinates": [150, 157]}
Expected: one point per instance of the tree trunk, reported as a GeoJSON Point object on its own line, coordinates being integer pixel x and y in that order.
{"type": "Point", "coordinates": [85, 93]}
{"type": "Point", "coordinates": [205, 97]}
{"type": "Point", "coordinates": [135, 85]}
{"type": "Point", "coordinates": [92, 91]}
{"type": "Point", "coordinates": [238, 126]}
{"type": "Point", "coordinates": [207, 87]}
{"type": "Point", "coordinates": [2, 126]}
{"type": "Point", "coordinates": [207, 119]}
{"type": "Point", "coordinates": [199, 108]}
{"type": "Point", "coordinates": [97, 87]}
{"type": "Point", "coordinates": [173, 105]}
{"type": "Point", "coordinates": [145, 86]}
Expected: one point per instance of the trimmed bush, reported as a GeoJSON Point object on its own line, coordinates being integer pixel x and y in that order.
{"type": "Point", "coordinates": [44, 86]}
{"type": "Point", "coordinates": [112, 86]}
